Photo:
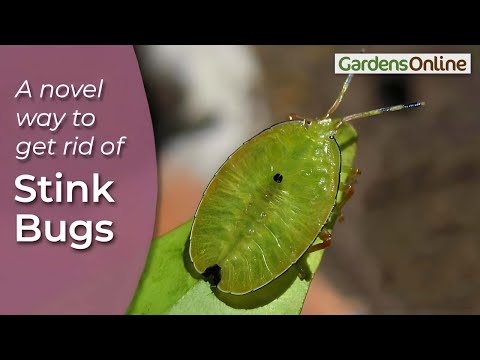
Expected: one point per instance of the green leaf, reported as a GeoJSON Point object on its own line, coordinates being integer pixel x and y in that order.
{"type": "Point", "coordinates": [170, 285]}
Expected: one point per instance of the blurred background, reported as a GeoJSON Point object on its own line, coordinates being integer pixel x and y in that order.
{"type": "Point", "coordinates": [410, 242]}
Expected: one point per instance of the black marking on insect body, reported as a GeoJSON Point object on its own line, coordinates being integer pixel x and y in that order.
{"type": "Point", "coordinates": [213, 274]}
{"type": "Point", "coordinates": [278, 178]}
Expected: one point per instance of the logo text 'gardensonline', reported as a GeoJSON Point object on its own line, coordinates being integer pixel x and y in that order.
{"type": "Point", "coordinates": [402, 63]}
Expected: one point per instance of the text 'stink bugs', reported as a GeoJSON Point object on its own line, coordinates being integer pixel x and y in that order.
{"type": "Point", "coordinates": [271, 199]}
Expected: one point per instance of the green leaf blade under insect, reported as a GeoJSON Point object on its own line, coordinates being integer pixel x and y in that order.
{"type": "Point", "coordinates": [167, 287]}
{"type": "Point", "coordinates": [165, 279]}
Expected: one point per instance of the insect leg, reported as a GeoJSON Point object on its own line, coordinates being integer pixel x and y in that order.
{"type": "Point", "coordinates": [296, 117]}
{"type": "Point", "coordinates": [352, 175]}
{"type": "Point", "coordinates": [293, 117]}
{"type": "Point", "coordinates": [304, 272]}
{"type": "Point", "coordinates": [347, 194]}
{"type": "Point", "coordinates": [351, 179]}
{"type": "Point", "coordinates": [326, 238]}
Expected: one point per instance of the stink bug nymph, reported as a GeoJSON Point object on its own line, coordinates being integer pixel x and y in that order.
{"type": "Point", "coordinates": [270, 200]}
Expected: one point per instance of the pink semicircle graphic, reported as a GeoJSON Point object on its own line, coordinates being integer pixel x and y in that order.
{"type": "Point", "coordinates": [45, 277]}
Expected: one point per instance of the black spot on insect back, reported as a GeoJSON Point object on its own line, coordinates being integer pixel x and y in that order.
{"type": "Point", "coordinates": [278, 178]}
{"type": "Point", "coordinates": [213, 274]}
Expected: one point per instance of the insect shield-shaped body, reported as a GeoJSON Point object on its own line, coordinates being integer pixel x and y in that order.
{"type": "Point", "coordinates": [270, 200]}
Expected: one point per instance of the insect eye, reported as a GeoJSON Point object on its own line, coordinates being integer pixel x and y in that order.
{"type": "Point", "coordinates": [331, 137]}
{"type": "Point", "coordinates": [278, 178]}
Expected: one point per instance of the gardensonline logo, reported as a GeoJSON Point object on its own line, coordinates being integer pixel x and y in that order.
{"type": "Point", "coordinates": [402, 63]}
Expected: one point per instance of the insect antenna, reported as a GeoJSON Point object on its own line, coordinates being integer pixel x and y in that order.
{"type": "Point", "coordinates": [380, 111]}
{"type": "Point", "coordinates": [340, 97]}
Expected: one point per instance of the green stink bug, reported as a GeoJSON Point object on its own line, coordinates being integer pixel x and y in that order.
{"type": "Point", "coordinates": [271, 199]}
